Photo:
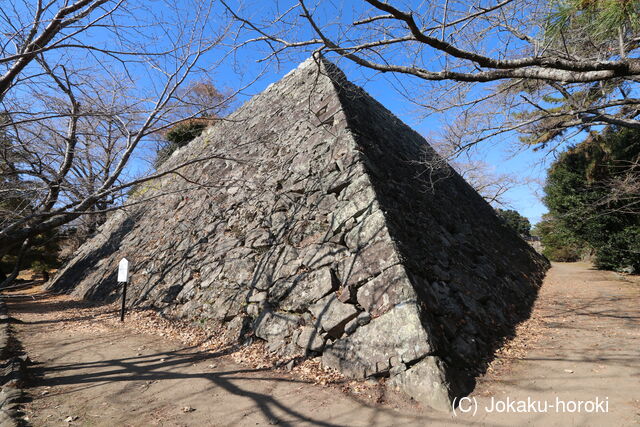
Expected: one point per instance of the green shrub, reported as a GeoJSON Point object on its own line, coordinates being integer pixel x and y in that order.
{"type": "Point", "coordinates": [179, 136]}
{"type": "Point", "coordinates": [185, 132]}
{"type": "Point", "coordinates": [621, 250]}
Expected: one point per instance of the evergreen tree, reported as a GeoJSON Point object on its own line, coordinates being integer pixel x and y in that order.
{"type": "Point", "coordinates": [517, 222]}
{"type": "Point", "coordinates": [580, 198]}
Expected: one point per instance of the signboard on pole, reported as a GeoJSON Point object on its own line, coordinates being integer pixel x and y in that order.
{"type": "Point", "coordinates": [123, 271]}
{"type": "Point", "coordinates": [123, 277]}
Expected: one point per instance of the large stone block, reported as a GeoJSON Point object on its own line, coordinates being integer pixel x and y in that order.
{"type": "Point", "coordinates": [367, 263]}
{"type": "Point", "coordinates": [367, 230]}
{"type": "Point", "coordinates": [310, 339]}
{"type": "Point", "coordinates": [322, 214]}
{"type": "Point", "coordinates": [385, 291]}
{"type": "Point", "coordinates": [302, 291]}
{"type": "Point", "coordinates": [276, 328]}
{"type": "Point", "coordinates": [398, 336]}
{"type": "Point", "coordinates": [426, 382]}
{"type": "Point", "coordinates": [332, 314]}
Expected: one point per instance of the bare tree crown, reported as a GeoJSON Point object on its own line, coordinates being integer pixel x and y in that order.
{"type": "Point", "coordinates": [548, 69]}
{"type": "Point", "coordinates": [85, 85]}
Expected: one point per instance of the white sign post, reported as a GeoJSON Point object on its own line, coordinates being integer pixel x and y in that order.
{"type": "Point", "coordinates": [123, 277]}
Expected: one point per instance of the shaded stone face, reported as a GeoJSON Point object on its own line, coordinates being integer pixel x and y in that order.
{"type": "Point", "coordinates": [313, 228]}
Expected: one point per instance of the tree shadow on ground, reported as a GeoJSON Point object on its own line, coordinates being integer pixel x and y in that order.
{"type": "Point", "coordinates": [164, 367]}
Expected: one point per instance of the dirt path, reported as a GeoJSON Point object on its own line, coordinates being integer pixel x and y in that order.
{"type": "Point", "coordinates": [582, 343]}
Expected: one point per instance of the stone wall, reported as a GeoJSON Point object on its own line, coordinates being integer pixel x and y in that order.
{"type": "Point", "coordinates": [310, 223]}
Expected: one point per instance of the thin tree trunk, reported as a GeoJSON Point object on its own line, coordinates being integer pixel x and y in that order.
{"type": "Point", "coordinates": [16, 268]}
